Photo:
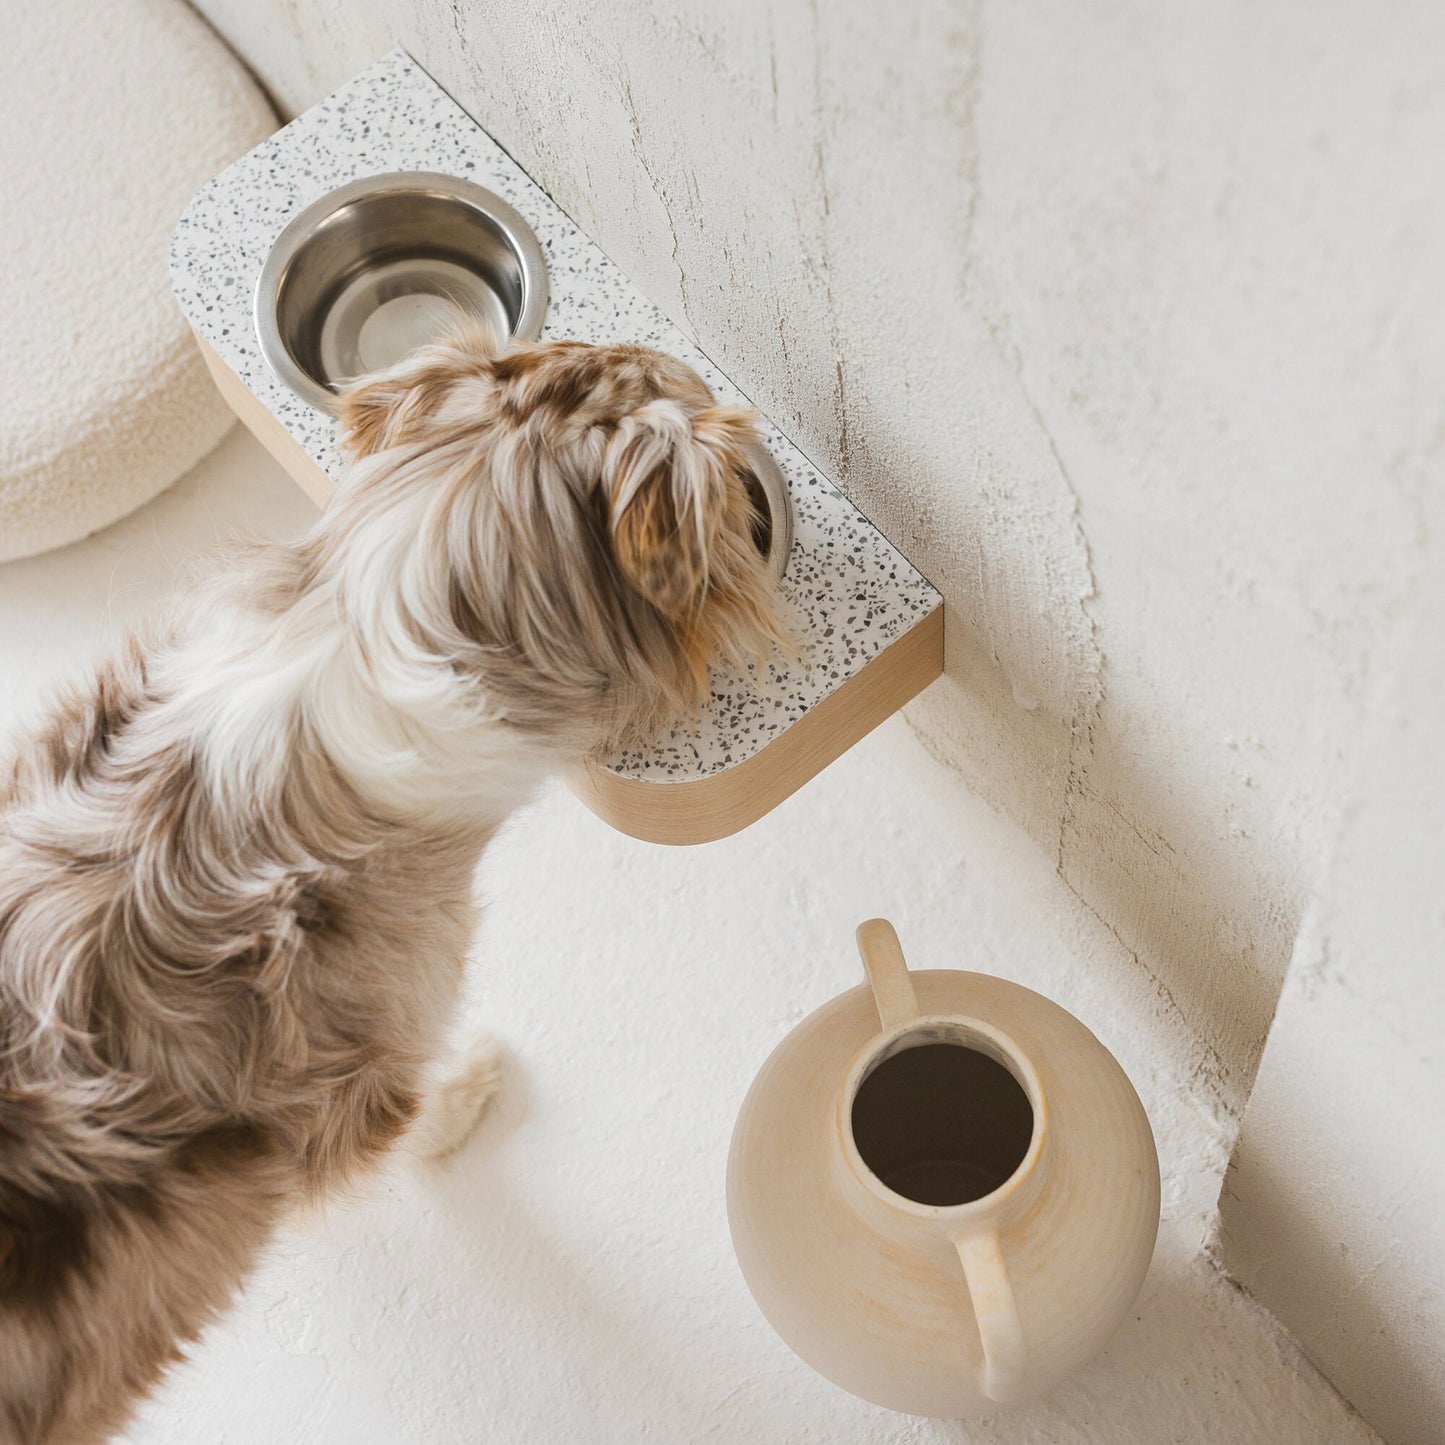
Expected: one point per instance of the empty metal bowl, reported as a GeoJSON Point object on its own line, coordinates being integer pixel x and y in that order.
{"type": "Point", "coordinates": [386, 264]}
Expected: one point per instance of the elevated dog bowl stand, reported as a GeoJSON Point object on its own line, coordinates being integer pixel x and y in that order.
{"type": "Point", "coordinates": [869, 628]}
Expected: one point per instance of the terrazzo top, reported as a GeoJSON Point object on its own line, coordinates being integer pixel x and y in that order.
{"type": "Point", "coordinates": [851, 592]}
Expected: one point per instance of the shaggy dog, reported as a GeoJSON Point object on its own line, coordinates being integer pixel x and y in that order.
{"type": "Point", "coordinates": [236, 866]}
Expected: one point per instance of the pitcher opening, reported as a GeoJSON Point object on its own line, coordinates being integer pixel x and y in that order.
{"type": "Point", "coordinates": [940, 1122]}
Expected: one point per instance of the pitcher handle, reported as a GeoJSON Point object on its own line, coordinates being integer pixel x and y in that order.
{"type": "Point", "coordinates": [887, 972]}
{"type": "Point", "coordinates": [994, 1307]}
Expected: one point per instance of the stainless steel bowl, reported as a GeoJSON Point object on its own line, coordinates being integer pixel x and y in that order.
{"type": "Point", "coordinates": [773, 532]}
{"type": "Point", "coordinates": [386, 264]}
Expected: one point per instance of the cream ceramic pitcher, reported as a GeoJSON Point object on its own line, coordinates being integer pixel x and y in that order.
{"type": "Point", "coordinates": [943, 1191]}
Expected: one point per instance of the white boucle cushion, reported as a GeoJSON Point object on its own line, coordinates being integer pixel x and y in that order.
{"type": "Point", "coordinates": [112, 115]}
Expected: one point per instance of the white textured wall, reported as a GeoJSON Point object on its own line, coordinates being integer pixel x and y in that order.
{"type": "Point", "coordinates": [300, 50]}
{"type": "Point", "coordinates": [1334, 1211]}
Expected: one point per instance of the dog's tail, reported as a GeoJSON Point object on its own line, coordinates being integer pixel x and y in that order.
{"type": "Point", "coordinates": [113, 1253]}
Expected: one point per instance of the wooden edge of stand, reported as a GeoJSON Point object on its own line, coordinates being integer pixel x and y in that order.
{"type": "Point", "coordinates": [700, 810]}
{"type": "Point", "coordinates": [703, 810]}
{"type": "Point", "coordinates": [265, 428]}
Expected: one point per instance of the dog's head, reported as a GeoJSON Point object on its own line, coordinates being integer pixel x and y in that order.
{"type": "Point", "coordinates": [583, 532]}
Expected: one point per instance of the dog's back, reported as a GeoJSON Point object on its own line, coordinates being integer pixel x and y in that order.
{"type": "Point", "coordinates": [120, 1235]}
{"type": "Point", "coordinates": [196, 1030]}
{"type": "Point", "coordinates": [102, 1280]}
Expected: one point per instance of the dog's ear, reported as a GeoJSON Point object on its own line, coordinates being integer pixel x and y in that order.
{"type": "Point", "coordinates": [670, 477]}
{"type": "Point", "coordinates": [385, 410]}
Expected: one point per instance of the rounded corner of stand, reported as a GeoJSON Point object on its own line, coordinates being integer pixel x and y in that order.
{"type": "Point", "coordinates": [704, 810]}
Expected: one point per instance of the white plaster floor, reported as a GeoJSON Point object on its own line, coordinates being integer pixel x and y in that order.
{"type": "Point", "coordinates": [568, 1276]}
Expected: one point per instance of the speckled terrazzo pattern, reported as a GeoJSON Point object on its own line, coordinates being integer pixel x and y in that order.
{"type": "Point", "coordinates": [850, 592]}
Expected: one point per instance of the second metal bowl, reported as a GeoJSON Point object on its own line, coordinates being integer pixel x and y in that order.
{"type": "Point", "coordinates": [386, 264]}
{"type": "Point", "coordinates": [773, 531]}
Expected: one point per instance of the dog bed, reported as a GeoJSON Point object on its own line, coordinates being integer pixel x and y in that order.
{"type": "Point", "coordinates": [111, 117]}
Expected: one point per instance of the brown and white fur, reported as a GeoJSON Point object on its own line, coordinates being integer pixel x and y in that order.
{"type": "Point", "coordinates": [236, 866]}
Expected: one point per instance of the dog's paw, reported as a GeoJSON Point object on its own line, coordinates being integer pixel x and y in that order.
{"type": "Point", "coordinates": [466, 1085]}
